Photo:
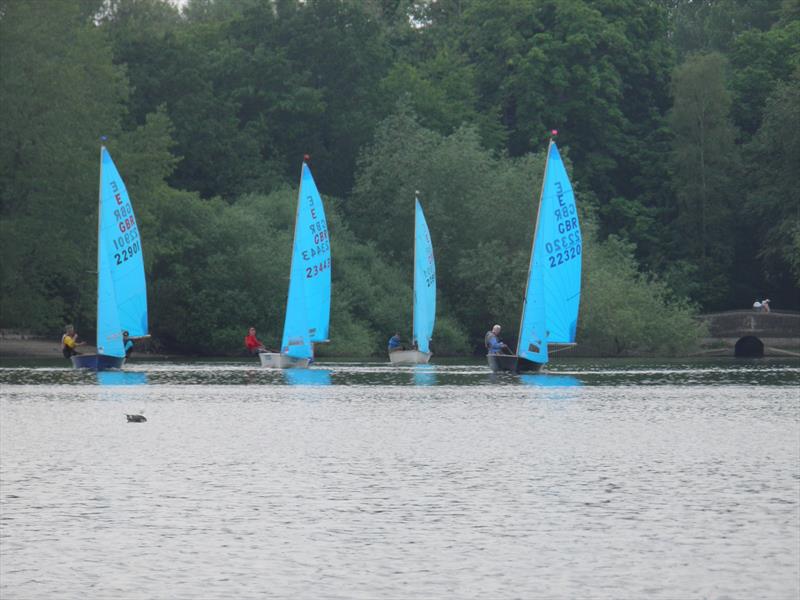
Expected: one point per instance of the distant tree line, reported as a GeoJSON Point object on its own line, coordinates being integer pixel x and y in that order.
{"type": "Point", "coordinates": [679, 121]}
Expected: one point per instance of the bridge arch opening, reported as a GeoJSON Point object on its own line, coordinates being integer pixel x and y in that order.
{"type": "Point", "coordinates": [749, 347]}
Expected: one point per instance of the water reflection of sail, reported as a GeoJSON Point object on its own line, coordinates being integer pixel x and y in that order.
{"type": "Point", "coordinates": [121, 378]}
{"type": "Point", "coordinates": [550, 380]}
{"type": "Point", "coordinates": [558, 388]}
{"type": "Point", "coordinates": [307, 376]}
{"type": "Point", "coordinates": [424, 375]}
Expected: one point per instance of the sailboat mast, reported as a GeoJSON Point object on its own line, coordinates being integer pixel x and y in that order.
{"type": "Point", "coordinates": [414, 269]}
{"type": "Point", "coordinates": [294, 243]}
{"type": "Point", "coordinates": [99, 229]}
{"type": "Point", "coordinates": [533, 245]}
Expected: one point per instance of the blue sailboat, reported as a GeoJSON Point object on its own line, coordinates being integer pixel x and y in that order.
{"type": "Point", "coordinates": [121, 286]}
{"type": "Point", "coordinates": [308, 306]}
{"type": "Point", "coordinates": [424, 317]}
{"type": "Point", "coordinates": [553, 290]}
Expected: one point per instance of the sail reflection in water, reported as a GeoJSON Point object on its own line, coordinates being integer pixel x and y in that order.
{"type": "Point", "coordinates": [550, 380]}
{"type": "Point", "coordinates": [424, 375]}
{"type": "Point", "coordinates": [307, 376]}
{"type": "Point", "coordinates": [559, 388]}
{"type": "Point", "coordinates": [121, 378]}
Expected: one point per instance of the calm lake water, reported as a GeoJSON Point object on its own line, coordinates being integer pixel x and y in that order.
{"type": "Point", "coordinates": [601, 479]}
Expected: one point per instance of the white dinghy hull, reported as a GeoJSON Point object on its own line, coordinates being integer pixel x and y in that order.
{"type": "Point", "coordinates": [274, 360]}
{"type": "Point", "coordinates": [409, 357]}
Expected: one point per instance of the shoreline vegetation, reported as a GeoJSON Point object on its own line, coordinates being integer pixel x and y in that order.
{"type": "Point", "coordinates": [48, 349]}
{"type": "Point", "coordinates": [685, 208]}
{"type": "Point", "coordinates": [25, 345]}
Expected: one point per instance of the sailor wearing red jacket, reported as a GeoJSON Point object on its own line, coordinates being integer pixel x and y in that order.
{"type": "Point", "coordinates": [253, 344]}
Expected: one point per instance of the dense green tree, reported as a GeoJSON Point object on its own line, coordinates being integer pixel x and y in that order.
{"type": "Point", "coordinates": [219, 269]}
{"type": "Point", "coordinates": [704, 26]}
{"type": "Point", "coordinates": [761, 60]}
{"type": "Point", "coordinates": [346, 54]}
{"type": "Point", "coordinates": [624, 312]}
{"type": "Point", "coordinates": [759, 39]}
{"type": "Point", "coordinates": [59, 91]}
{"type": "Point", "coordinates": [441, 92]}
{"type": "Point", "coordinates": [596, 71]}
{"type": "Point", "coordinates": [704, 163]}
{"type": "Point", "coordinates": [773, 158]}
{"type": "Point", "coordinates": [183, 69]}
{"type": "Point", "coordinates": [252, 86]}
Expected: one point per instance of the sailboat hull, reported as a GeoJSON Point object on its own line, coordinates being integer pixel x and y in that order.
{"type": "Point", "coordinates": [409, 357]}
{"type": "Point", "coordinates": [96, 362]}
{"type": "Point", "coordinates": [512, 363]}
{"type": "Point", "coordinates": [274, 360]}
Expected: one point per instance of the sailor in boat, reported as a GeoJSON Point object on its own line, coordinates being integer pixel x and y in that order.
{"type": "Point", "coordinates": [395, 343]}
{"type": "Point", "coordinates": [69, 341]}
{"type": "Point", "coordinates": [493, 343]}
{"type": "Point", "coordinates": [127, 344]}
{"type": "Point", "coordinates": [252, 343]}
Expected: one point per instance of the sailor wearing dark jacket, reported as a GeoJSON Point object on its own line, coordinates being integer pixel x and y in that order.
{"type": "Point", "coordinates": [492, 341]}
{"type": "Point", "coordinates": [395, 343]}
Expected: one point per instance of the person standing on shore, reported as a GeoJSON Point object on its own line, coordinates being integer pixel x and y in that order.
{"type": "Point", "coordinates": [69, 341]}
{"type": "Point", "coordinates": [761, 306]}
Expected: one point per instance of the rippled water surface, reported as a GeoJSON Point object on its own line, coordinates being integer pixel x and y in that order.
{"type": "Point", "coordinates": [606, 479]}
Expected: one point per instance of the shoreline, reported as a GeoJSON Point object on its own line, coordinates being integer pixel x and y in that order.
{"type": "Point", "coordinates": [32, 348]}
{"type": "Point", "coordinates": [21, 347]}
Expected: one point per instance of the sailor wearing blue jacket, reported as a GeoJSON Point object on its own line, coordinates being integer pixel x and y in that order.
{"type": "Point", "coordinates": [395, 343]}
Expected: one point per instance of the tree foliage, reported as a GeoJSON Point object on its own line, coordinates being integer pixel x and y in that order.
{"type": "Point", "coordinates": [678, 120]}
{"type": "Point", "coordinates": [59, 91]}
{"type": "Point", "coordinates": [704, 160]}
{"type": "Point", "coordinates": [774, 156]}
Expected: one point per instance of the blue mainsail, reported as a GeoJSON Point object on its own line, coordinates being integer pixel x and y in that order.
{"type": "Point", "coordinates": [532, 342]}
{"type": "Point", "coordinates": [552, 299]}
{"type": "Point", "coordinates": [121, 287]}
{"type": "Point", "coordinates": [424, 282]}
{"type": "Point", "coordinates": [308, 306]}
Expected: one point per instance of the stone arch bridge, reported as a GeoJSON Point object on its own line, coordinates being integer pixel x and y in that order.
{"type": "Point", "coordinates": [753, 334]}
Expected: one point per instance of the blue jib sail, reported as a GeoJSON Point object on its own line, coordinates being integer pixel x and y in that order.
{"type": "Point", "coordinates": [121, 287]}
{"type": "Point", "coordinates": [424, 282]}
{"type": "Point", "coordinates": [553, 292]}
{"type": "Point", "coordinates": [309, 303]}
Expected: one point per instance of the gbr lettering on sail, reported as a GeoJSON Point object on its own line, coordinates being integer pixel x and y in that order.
{"type": "Point", "coordinates": [127, 243]}
{"type": "Point", "coordinates": [316, 257]}
{"type": "Point", "coordinates": [566, 246]}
